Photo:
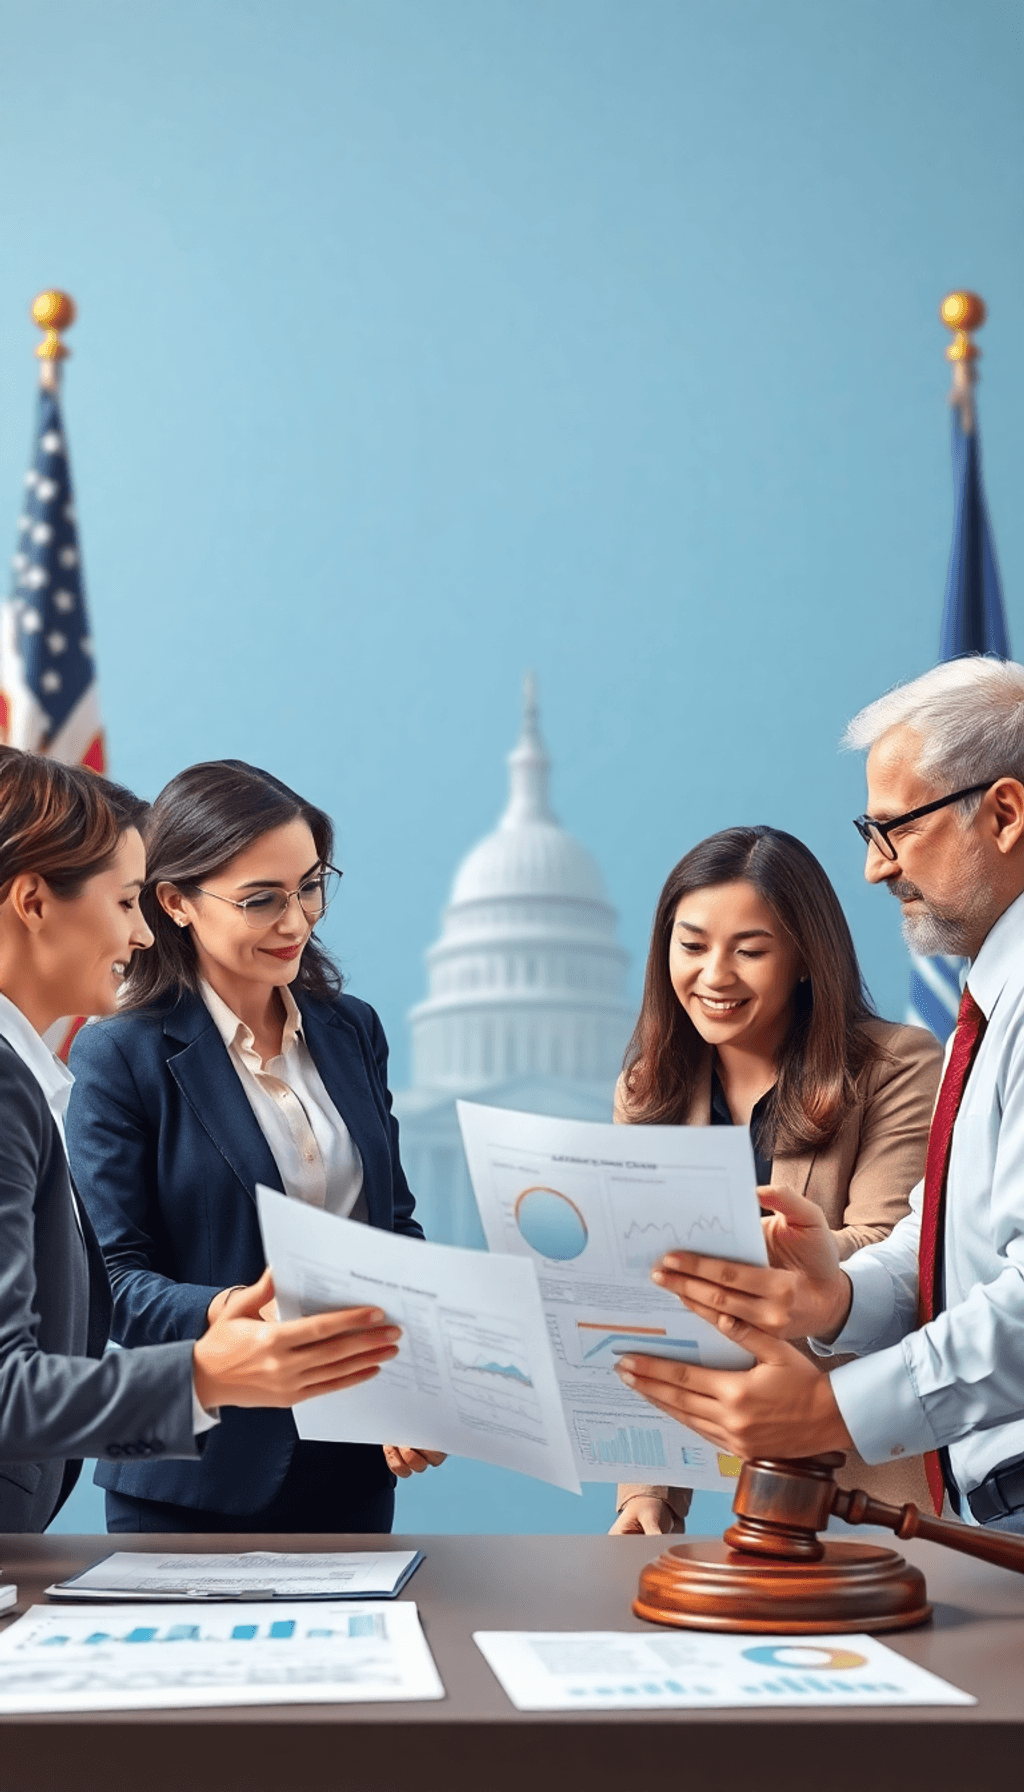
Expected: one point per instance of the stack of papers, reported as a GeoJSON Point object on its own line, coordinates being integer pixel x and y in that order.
{"type": "Point", "coordinates": [144, 1658]}
{"type": "Point", "coordinates": [255, 1574]}
{"type": "Point", "coordinates": [608, 1670]}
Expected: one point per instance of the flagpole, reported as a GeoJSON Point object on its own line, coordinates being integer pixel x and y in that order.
{"type": "Point", "coordinates": [53, 311]}
{"type": "Point", "coordinates": [963, 313]}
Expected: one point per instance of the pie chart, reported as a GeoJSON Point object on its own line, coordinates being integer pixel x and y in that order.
{"type": "Point", "coordinates": [551, 1224]}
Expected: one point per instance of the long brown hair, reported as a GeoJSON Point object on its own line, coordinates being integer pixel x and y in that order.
{"type": "Point", "coordinates": [62, 822]}
{"type": "Point", "coordinates": [827, 1051]}
{"type": "Point", "coordinates": [202, 820]}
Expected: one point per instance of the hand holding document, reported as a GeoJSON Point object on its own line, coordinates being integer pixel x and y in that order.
{"type": "Point", "coordinates": [473, 1374]}
{"type": "Point", "coordinates": [145, 1658]}
{"type": "Point", "coordinates": [594, 1207]}
{"type": "Point", "coordinates": [253, 1574]}
{"type": "Point", "coordinates": [608, 1670]}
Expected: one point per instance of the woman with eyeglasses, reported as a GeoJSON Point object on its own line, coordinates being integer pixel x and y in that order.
{"type": "Point", "coordinates": [234, 1060]}
{"type": "Point", "coordinates": [754, 1014]}
{"type": "Point", "coordinates": [72, 863]}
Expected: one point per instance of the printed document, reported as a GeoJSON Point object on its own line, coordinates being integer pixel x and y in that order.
{"type": "Point", "coordinates": [593, 1207]}
{"type": "Point", "coordinates": [254, 1574]}
{"type": "Point", "coordinates": [473, 1374]}
{"type": "Point", "coordinates": [609, 1670]}
{"type": "Point", "coordinates": [145, 1658]}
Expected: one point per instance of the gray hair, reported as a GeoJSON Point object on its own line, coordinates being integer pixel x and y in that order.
{"type": "Point", "coordinates": [970, 716]}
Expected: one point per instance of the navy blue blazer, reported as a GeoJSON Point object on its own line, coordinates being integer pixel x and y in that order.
{"type": "Point", "coordinates": [166, 1154]}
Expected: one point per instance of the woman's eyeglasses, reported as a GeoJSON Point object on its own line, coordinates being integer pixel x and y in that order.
{"type": "Point", "coordinates": [264, 907]}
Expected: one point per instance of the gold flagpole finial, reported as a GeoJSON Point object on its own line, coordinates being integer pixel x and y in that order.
{"type": "Point", "coordinates": [53, 311]}
{"type": "Point", "coordinates": [963, 313]}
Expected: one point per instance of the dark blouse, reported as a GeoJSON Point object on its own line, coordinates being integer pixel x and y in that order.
{"type": "Point", "coordinates": [720, 1116]}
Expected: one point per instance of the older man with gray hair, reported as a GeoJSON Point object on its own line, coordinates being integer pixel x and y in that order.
{"type": "Point", "coordinates": [934, 1313]}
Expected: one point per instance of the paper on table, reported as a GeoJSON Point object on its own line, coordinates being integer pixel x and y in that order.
{"type": "Point", "coordinates": [594, 1206]}
{"type": "Point", "coordinates": [257, 1573]}
{"type": "Point", "coordinates": [141, 1657]}
{"type": "Point", "coordinates": [609, 1670]}
{"type": "Point", "coordinates": [473, 1374]}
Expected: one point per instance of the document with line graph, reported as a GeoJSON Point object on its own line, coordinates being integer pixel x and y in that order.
{"type": "Point", "coordinates": [473, 1374]}
{"type": "Point", "coordinates": [593, 1207]}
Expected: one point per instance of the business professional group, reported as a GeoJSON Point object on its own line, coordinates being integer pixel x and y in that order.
{"type": "Point", "coordinates": [890, 1321]}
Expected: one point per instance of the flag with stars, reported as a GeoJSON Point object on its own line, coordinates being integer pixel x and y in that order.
{"type": "Point", "coordinates": [48, 697]}
{"type": "Point", "coordinates": [973, 621]}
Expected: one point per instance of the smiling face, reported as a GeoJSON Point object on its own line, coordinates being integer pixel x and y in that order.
{"type": "Point", "coordinates": [91, 936]}
{"type": "Point", "coordinates": [733, 968]}
{"type": "Point", "coordinates": [236, 958]}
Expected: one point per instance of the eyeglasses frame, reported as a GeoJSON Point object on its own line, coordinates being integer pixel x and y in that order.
{"type": "Point", "coordinates": [865, 823]}
{"type": "Point", "coordinates": [287, 894]}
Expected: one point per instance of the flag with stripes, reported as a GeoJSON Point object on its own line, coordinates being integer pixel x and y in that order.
{"type": "Point", "coordinates": [48, 697]}
{"type": "Point", "coordinates": [973, 621]}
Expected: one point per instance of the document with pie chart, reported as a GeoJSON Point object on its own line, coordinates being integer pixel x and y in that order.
{"type": "Point", "coordinates": [593, 1207]}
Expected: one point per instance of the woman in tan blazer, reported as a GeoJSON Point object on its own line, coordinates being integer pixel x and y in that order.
{"type": "Point", "coordinates": [755, 1013]}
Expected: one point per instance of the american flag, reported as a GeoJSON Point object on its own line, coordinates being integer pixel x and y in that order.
{"type": "Point", "coordinates": [48, 697]}
{"type": "Point", "coordinates": [973, 621]}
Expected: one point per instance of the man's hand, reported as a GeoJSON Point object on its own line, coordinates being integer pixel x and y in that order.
{"type": "Point", "coordinates": [783, 1406]}
{"type": "Point", "coordinates": [242, 1360]}
{"type": "Point", "coordinates": [404, 1461]}
{"type": "Point", "coordinates": [804, 1295]}
{"type": "Point", "coordinates": [643, 1515]}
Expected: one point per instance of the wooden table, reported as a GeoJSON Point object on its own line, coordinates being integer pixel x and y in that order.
{"type": "Point", "coordinates": [475, 1742]}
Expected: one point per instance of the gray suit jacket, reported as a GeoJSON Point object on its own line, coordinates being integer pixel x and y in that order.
{"type": "Point", "coordinates": [61, 1398]}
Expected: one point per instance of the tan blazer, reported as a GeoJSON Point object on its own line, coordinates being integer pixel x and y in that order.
{"type": "Point", "coordinates": [862, 1183]}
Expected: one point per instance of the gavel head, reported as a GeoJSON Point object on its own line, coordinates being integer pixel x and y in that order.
{"type": "Point", "coordinates": [781, 1507]}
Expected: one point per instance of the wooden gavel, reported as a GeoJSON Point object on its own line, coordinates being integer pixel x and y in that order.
{"type": "Point", "coordinates": [781, 1507]}
{"type": "Point", "coordinates": [772, 1572]}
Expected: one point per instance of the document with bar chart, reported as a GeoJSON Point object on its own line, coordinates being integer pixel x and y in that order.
{"type": "Point", "coordinates": [145, 1657]}
{"type": "Point", "coordinates": [593, 1207]}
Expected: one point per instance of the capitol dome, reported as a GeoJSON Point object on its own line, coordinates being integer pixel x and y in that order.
{"type": "Point", "coordinates": [527, 979]}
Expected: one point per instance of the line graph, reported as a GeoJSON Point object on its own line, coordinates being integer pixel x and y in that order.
{"type": "Point", "coordinates": [491, 1375]}
{"type": "Point", "coordinates": [598, 1341]}
{"type": "Point", "coordinates": [698, 1218]}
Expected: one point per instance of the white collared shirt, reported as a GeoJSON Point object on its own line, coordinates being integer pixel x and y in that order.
{"type": "Point", "coordinates": [53, 1077]}
{"type": "Point", "coordinates": [56, 1082]}
{"type": "Point", "coordinates": [959, 1380]}
{"type": "Point", "coordinates": [316, 1156]}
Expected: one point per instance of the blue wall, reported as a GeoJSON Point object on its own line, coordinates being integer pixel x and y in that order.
{"type": "Point", "coordinates": [423, 341]}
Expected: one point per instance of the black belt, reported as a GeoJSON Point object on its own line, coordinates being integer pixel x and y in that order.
{"type": "Point", "coordinates": [1001, 1492]}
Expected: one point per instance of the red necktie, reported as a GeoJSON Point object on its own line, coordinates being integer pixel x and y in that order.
{"type": "Point", "coordinates": [969, 1028]}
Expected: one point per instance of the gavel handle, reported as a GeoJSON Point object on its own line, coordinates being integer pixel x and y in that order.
{"type": "Point", "coordinates": [990, 1546]}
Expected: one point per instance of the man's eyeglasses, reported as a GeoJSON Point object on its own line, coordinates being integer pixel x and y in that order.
{"type": "Point", "coordinates": [876, 833]}
{"type": "Point", "coordinates": [264, 907]}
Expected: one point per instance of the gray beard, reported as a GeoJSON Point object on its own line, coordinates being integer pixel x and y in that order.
{"type": "Point", "coordinates": [934, 935]}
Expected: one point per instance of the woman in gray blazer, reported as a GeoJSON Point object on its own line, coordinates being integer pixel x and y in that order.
{"type": "Point", "coordinates": [72, 864]}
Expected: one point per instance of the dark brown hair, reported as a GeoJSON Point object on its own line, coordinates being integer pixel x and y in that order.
{"type": "Point", "coordinates": [827, 1052]}
{"type": "Point", "coordinates": [62, 822]}
{"type": "Point", "coordinates": [202, 820]}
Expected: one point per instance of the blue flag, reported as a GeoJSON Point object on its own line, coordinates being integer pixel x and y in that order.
{"type": "Point", "coordinates": [973, 621]}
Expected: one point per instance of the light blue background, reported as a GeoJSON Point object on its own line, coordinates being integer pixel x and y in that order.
{"type": "Point", "coordinates": [424, 341]}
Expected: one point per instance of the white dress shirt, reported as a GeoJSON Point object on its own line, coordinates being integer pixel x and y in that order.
{"type": "Point", "coordinates": [316, 1157]}
{"type": "Point", "coordinates": [959, 1380]}
{"type": "Point", "coordinates": [56, 1082]}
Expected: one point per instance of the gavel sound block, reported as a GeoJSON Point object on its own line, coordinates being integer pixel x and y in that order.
{"type": "Point", "coordinates": [772, 1572]}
